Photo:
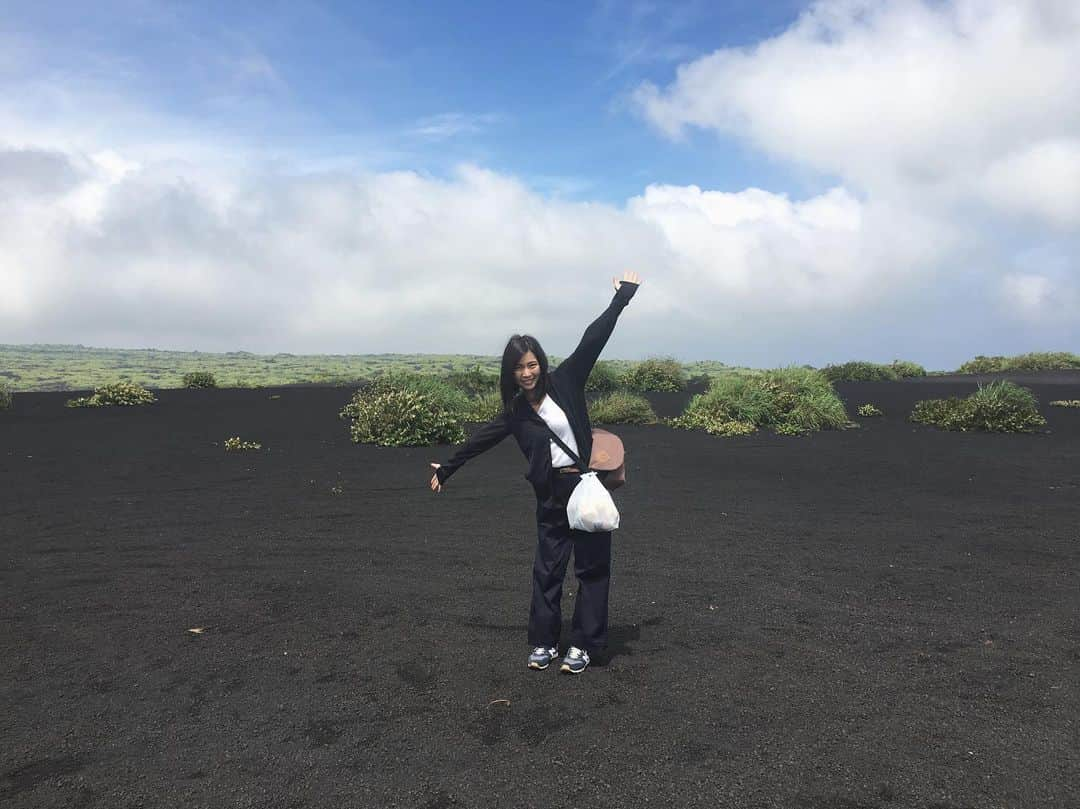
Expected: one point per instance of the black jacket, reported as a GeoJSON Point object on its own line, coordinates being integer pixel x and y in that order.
{"type": "Point", "coordinates": [566, 385]}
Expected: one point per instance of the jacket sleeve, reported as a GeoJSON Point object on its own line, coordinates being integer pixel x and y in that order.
{"type": "Point", "coordinates": [577, 367]}
{"type": "Point", "coordinates": [484, 439]}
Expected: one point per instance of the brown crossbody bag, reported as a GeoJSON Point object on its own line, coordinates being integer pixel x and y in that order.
{"type": "Point", "coordinates": [608, 455]}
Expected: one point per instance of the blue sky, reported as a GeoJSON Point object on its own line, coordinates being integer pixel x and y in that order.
{"type": "Point", "coordinates": [795, 182]}
{"type": "Point", "coordinates": [539, 92]}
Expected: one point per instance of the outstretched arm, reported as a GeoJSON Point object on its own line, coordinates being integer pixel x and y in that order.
{"type": "Point", "coordinates": [488, 436]}
{"type": "Point", "coordinates": [577, 367]}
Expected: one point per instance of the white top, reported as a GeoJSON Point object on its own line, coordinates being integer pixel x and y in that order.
{"type": "Point", "coordinates": [555, 417]}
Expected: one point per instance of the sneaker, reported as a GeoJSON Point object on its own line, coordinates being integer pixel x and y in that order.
{"type": "Point", "coordinates": [541, 656]}
{"type": "Point", "coordinates": [575, 661]}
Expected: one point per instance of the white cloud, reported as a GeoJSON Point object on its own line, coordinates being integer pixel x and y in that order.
{"type": "Point", "coordinates": [452, 124]}
{"type": "Point", "coordinates": [99, 248]}
{"type": "Point", "coordinates": [1041, 181]}
{"type": "Point", "coordinates": [1028, 292]}
{"type": "Point", "coordinates": [964, 113]}
{"type": "Point", "coordinates": [890, 92]}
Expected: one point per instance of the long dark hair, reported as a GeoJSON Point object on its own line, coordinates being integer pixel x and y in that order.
{"type": "Point", "coordinates": [516, 348]}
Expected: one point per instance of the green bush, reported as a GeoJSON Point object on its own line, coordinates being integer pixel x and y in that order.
{"type": "Point", "coordinates": [621, 407]}
{"type": "Point", "coordinates": [1036, 361]}
{"type": "Point", "coordinates": [1065, 403]}
{"type": "Point", "coordinates": [234, 443]}
{"type": "Point", "coordinates": [906, 369]}
{"type": "Point", "coordinates": [1001, 406]}
{"type": "Point", "coordinates": [1045, 361]}
{"type": "Point", "coordinates": [199, 379]}
{"type": "Point", "coordinates": [787, 400]}
{"type": "Point", "coordinates": [473, 381]}
{"type": "Point", "coordinates": [603, 378]}
{"type": "Point", "coordinates": [983, 365]}
{"type": "Point", "coordinates": [484, 407]}
{"type": "Point", "coordinates": [715, 425]}
{"type": "Point", "coordinates": [857, 371]}
{"type": "Point", "coordinates": [656, 374]}
{"type": "Point", "coordinates": [116, 393]}
{"type": "Point", "coordinates": [434, 387]}
{"type": "Point", "coordinates": [5, 396]}
{"type": "Point", "coordinates": [869, 410]}
{"type": "Point", "coordinates": [407, 409]}
{"type": "Point", "coordinates": [948, 414]}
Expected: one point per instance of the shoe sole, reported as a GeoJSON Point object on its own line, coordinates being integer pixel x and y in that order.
{"type": "Point", "coordinates": [538, 667]}
{"type": "Point", "coordinates": [567, 670]}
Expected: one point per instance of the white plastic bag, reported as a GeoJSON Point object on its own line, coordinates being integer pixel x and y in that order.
{"type": "Point", "coordinates": [590, 507]}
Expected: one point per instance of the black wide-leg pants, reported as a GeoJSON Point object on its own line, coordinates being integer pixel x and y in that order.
{"type": "Point", "coordinates": [592, 566]}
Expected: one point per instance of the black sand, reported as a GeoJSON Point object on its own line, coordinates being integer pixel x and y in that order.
{"type": "Point", "coordinates": [882, 617]}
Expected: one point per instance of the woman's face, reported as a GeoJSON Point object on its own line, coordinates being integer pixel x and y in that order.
{"type": "Point", "coordinates": [527, 371]}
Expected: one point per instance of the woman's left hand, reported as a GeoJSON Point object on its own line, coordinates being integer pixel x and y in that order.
{"type": "Point", "coordinates": [630, 276]}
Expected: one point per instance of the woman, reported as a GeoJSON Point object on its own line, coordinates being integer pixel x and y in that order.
{"type": "Point", "coordinates": [533, 400]}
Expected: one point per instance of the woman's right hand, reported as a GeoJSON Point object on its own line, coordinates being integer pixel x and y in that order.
{"type": "Point", "coordinates": [629, 276]}
{"type": "Point", "coordinates": [435, 485]}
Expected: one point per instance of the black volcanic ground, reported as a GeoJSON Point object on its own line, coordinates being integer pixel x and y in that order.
{"type": "Point", "coordinates": [881, 617]}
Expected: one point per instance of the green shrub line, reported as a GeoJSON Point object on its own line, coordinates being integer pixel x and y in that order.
{"type": "Point", "coordinates": [74, 367]}
{"type": "Point", "coordinates": [1034, 361]}
{"type": "Point", "coordinates": [235, 444]}
{"type": "Point", "coordinates": [5, 396]}
{"type": "Point", "coordinates": [121, 393]}
{"type": "Point", "coordinates": [861, 371]}
{"type": "Point", "coordinates": [1065, 403]}
{"type": "Point", "coordinates": [789, 401]}
{"type": "Point", "coordinates": [621, 407]}
{"type": "Point", "coordinates": [1001, 406]}
{"type": "Point", "coordinates": [474, 381]}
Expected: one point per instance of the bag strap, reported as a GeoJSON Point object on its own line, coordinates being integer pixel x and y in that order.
{"type": "Point", "coordinates": [584, 468]}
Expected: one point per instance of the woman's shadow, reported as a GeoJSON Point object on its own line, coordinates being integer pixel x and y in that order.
{"type": "Point", "coordinates": [621, 638]}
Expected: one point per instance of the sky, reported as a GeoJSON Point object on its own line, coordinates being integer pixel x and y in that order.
{"type": "Point", "coordinates": [794, 182]}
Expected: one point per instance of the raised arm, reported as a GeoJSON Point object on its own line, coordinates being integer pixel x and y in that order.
{"type": "Point", "coordinates": [577, 367]}
{"type": "Point", "coordinates": [485, 438]}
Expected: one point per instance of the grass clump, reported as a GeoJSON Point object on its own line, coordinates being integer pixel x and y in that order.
{"type": "Point", "coordinates": [859, 371]}
{"type": "Point", "coordinates": [116, 393]}
{"type": "Point", "coordinates": [789, 401]}
{"type": "Point", "coordinates": [1000, 407]}
{"type": "Point", "coordinates": [869, 410]}
{"type": "Point", "coordinates": [234, 444]}
{"type": "Point", "coordinates": [199, 379]}
{"type": "Point", "coordinates": [1035, 361]}
{"type": "Point", "coordinates": [1065, 403]}
{"type": "Point", "coordinates": [656, 374]}
{"type": "Point", "coordinates": [407, 409]}
{"type": "Point", "coordinates": [621, 407]}
{"type": "Point", "coordinates": [5, 396]}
